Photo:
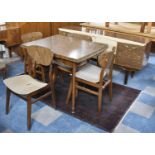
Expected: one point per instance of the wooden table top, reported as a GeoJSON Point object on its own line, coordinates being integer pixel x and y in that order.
{"type": "Point", "coordinates": [70, 48]}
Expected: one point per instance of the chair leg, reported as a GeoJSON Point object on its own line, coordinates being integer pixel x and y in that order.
{"type": "Point", "coordinates": [62, 76]}
{"type": "Point", "coordinates": [54, 74]}
{"type": "Point", "coordinates": [10, 52]}
{"type": "Point", "coordinates": [53, 80]}
{"type": "Point", "coordinates": [25, 68]}
{"type": "Point", "coordinates": [4, 73]}
{"type": "Point", "coordinates": [29, 106]}
{"type": "Point", "coordinates": [69, 93]}
{"type": "Point", "coordinates": [53, 96]}
{"type": "Point", "coordinates": [100, 100]}
{"type": "Point", "coordinates": [126, 77]}
{"type": "Point", "coordinates": [8, 94]}
{"type": "Point", "coordinates": [76, 90]}
{"type": "Point", "coordinates": [43, 74]}
{"type": "Point", "coordinates": [110, 91]}
{"type": "Point", "coordinates": [132, 74]}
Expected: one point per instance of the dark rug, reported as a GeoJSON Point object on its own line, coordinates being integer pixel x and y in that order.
{"type": "Point", "coordinates": [86, 104]}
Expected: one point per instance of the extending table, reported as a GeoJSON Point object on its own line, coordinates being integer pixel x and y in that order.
{"type": "Point", "coordinates": [70, 49]}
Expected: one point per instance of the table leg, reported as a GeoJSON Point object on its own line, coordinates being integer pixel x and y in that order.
{"type": "Point", "coordinates": [107, 24]}
{"type": "Point", "coordinates": [142, 29]}
{"type": "Point", "coordinates": [10, 51]}
{"type": "Point", "coordinates": [149, 26]}
{"type": "Point", "coordinates": [73, 88]}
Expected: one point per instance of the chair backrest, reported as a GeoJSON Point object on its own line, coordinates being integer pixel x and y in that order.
{"type": "Point", "coordinates": [106, 60]}
{"type": "Point", "coordinates": [31, 36]}
{"type": "Point", "coordinates": [37, 55]}
{"type": "Point", "coordinates": [41, 55]}
{"type": "Point", "coordinates": [28, 37]}
{"type": "Point", "coordinates": [130, 55]}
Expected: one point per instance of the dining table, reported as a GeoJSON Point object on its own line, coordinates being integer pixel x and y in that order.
{"type": "Point", "coordinates": [72, 50]}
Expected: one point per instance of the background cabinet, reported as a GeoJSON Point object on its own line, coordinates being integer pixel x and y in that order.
{"type": "Point", "coordinates": [47, 28]}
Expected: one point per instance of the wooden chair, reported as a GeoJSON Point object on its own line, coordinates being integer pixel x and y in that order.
{"type": "Point", "coordinates": [97, 77]}
{"type": "Point", "coordinates": [26, 86]}
{"type": "Point", "coordinates": [31, 36]}
{"type": "Point", "coordinates": [40, 69]}
{"type": "Point", "coordinates": [130, 58]}
{"type": "Point", "coordinates": [28, 37]}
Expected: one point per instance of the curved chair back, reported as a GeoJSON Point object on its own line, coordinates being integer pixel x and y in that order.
{"type": "Point", "coordinates": [37, 55]}
{"type": "Point", "coordinates": [28, 37]}
{"type": "Point", "coordinates": [31, 36]}
{"type": "Point", "coordinates": [105, 60]}
{"type": "Point", "coordinates": [41, 55]}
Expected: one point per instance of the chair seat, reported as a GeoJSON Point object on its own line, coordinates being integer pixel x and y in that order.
{"type": "Point", "coordinates": [90, 73]}
{"type": "Point", "coordinates": [23, 84]}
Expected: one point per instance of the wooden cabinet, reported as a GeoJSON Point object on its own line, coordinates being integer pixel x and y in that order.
{"type": "Point", "coordinates": [47, 28]}
{"type": "Point", "coordinates": [10, 35]}
{"type": "Point", "coordinates": [27, 27]}
{"type": "Point", "coordinates": [13, 37]}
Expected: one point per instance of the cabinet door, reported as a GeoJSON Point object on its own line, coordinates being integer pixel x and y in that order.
{"type": "Point", "coordinates": [3, 35]}
{"type": "Point", "coordinates": [13, 37]}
